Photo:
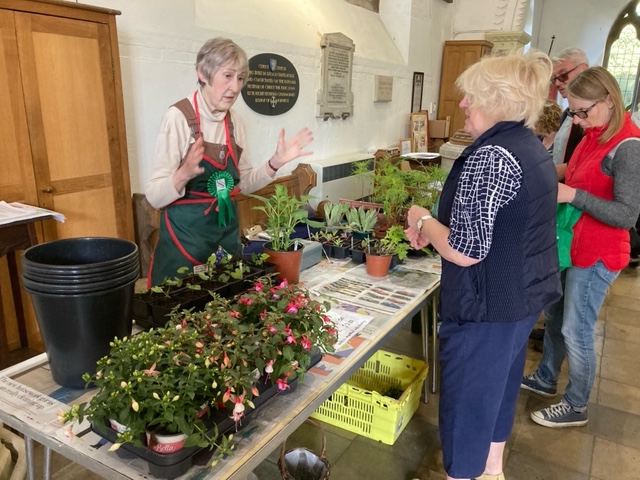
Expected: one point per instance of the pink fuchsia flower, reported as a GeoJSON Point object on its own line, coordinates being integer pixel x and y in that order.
{"type": "Point", "coordinates": [305, 343]}
{"type": "Point", "coordinates": [282, 384]}
{"type": "Point", "coordinates": [289, 335]}
{"type": "Point", "coordinates": [238, 409]}
{"type": "Point", "coordinates": [245, 300]}
{"type": "Point", "coordinates": [226, 395]}
{"type": "Point", "coordinates": [234, 314]}
{"type": "Point", "coordinates": [258, 286]}
{"type": "Point", "coordinates": [291, 308]}
{"type": "Point", "coordinates": [271, 328]}
{"type": "Point", "coordinates": [151, 372]}
{"type": "Point", "coordinates": [269, 367]}
{"type": "Point", "coordinates": [263, 313]}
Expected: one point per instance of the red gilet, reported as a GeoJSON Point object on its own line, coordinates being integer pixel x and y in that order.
{"type": "Point", "coordinates": [594, 240]}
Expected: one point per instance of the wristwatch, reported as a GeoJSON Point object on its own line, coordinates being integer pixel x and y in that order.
{"type": "Point", "coordinates": [421, 219]}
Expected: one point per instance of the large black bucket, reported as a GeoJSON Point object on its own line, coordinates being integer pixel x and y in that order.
{"type": "Point", "coordinates": [78, 318]}
{"type": "Point", "coordinates": [81, 255]}
{"type": "Point", "coordinates": [76, 329]}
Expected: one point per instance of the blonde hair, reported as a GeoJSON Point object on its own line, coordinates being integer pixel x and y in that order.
{"type": "Point", "coordinates": [510, 87]}
{"type": "Point", "coordinates": [217, 52]}
{"type": "Point", "coordinates": [596, 84]}
{"type": "Point", "coordinates": [549, 120]}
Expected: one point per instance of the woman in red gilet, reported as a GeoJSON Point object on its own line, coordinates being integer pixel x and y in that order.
{"type": "Point", "coordinates": [601, 180]}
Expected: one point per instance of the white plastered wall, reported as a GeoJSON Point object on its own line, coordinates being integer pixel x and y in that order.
{"type": "Point", "coordinates": [159, 40]}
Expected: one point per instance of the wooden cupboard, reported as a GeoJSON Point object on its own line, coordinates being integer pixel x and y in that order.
{"type": "Point", "coordinates": [457, 56]}
{"type": "Point", "coordinates": [62, 141]}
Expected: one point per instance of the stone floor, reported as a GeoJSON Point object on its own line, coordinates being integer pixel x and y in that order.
{"type": "Point", "coordinates": [607, 448]}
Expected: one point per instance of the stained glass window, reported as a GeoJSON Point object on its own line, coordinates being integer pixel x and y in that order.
{"type": "Point", "coordinates": [622, 54]}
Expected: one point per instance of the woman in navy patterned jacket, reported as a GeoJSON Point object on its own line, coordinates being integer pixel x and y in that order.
{"type": "Point", "coordinates": [495, 232]}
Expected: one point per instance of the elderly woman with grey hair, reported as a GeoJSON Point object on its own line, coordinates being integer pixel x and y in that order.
{"type": "Point", "coordinates": [199, 166]}
{"type": "Point", "coordinates": [495, 231]}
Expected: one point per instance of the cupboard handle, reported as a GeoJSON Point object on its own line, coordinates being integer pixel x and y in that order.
{"type": "Point", "coordinates": [46, 189]}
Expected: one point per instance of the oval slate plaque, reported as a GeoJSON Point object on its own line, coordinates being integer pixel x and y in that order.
{"type": "Point", "coordinates": [273, 84]}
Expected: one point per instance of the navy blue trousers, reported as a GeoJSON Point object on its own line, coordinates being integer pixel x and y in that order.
{"type": "Point", "coordinates": [481, 365]}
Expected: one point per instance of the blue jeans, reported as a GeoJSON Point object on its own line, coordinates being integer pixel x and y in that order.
{"type": "Point", "coordinates": [569, 331]}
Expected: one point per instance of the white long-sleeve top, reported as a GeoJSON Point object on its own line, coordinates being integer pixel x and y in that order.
{"type": "Point", "coordinates": [172, 144]}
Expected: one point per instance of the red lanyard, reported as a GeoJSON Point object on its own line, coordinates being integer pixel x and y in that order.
{"type": "Point", "coordinates": [227, 137]}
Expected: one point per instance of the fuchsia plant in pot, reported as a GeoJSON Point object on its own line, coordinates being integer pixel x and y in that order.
{"type": "Point", "coordinates": [163, 377]}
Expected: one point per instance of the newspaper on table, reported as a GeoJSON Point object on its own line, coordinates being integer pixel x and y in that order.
{"type": "Point", "coordinates": [387, 294]}
{"type": "Point", "coordinates": [16, 212]}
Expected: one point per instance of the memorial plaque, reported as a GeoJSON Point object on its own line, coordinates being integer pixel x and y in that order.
{"type": "Point", "coordinates": [335, 99]}
{"type": "Point", "coordinates": [383, 88]}
{"type": "Point", "coordinates": [273, 85]}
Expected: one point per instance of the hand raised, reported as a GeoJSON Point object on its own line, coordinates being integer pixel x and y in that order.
{"type": "Point", "coordinates": [190, 164]}
{"type": "Point", "coordinates": [288, 150]}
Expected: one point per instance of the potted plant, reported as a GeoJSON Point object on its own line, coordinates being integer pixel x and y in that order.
{"type": "Point", "coordinates": [203, 365]}
{"type": "Point", "coordinates": [334, 215]}
{"type": "Point", "coordinates": [379, 251]}
{"type": "Point", "coordinates": [361, 221]}
{"type": "Point", "coordinates": [162, 378]}
{"type": "Point", "coordinates": [283, 212]}
{"type": "Point", "coordinates": [396, 189]}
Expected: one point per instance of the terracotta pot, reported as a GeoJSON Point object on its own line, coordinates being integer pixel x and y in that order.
{"type": "Point", "coordinates": [287, 263]}
{"type": "Point", "coordinates": [377, 265]}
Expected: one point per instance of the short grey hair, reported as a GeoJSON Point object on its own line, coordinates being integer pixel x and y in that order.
{"type": "Point", "coordinates": [576, 55]}
{"type": "Point", "coordinates": [217, 52]}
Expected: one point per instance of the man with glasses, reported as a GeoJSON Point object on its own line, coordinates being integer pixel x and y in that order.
{"type": "Point", "coordinates": [566, 66]}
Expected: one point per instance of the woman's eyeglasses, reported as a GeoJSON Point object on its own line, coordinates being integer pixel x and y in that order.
{"type": "Point", "coordinates": [581, 113]}
{"type": "Point", "coordinates": [563, 77]}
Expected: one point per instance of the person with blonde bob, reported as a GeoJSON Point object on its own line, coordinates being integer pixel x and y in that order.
{"type": "Point", "coordinates": [601, 180]}
{"type": "Point", "coordinates": [495, 232]}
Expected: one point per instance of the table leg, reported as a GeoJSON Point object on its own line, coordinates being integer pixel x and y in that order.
{"type": "Point", "coordinates": [28, 448]}
{"type": "Point", "coordinates": [424, 325]}
{"type": "Point", "coordinates": [434, 333]}
{"type": "Point", "coordinates": [17, 299]}
{"type": "Point", "coordinates": [46, 464]}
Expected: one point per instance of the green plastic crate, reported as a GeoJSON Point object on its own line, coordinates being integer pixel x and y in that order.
{"type": "Point", "coordinates": [358, 407]}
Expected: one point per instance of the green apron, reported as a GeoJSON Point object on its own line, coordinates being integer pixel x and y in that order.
{"type": "Point", "coordinates": [190, 230]}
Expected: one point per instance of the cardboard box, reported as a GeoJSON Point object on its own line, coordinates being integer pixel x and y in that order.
{"type": "Point", "coordinates": [439, 128]}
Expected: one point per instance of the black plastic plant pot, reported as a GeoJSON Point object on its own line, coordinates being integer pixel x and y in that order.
{"type": "Point", "coordinates": [340, 252]}
{"type": "Point", "coordinates": [76, 329]}
{"type": "Point", "coordinates": [357, 256]}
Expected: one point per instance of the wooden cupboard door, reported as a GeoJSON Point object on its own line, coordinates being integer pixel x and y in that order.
{"type": "Point", "coordinates": [71, 105]}
{"type": "Point", "coordinates": [458, 55]}
{"type": "Point", "coordinates": [17, 183]}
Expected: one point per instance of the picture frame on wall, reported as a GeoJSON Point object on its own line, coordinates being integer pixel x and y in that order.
{"type": "Point", "coordinates": [419, 126]}
{"type": "Point", "coordinates": [405, 146]}
{"type": "Point", "coordinates": [416, 94]}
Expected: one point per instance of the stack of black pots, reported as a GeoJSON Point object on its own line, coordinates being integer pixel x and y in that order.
{"type": "Point", "coordinates": [82, 293]}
